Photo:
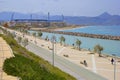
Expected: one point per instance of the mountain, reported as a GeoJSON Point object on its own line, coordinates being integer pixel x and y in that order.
{"type": "Point", "coordinates": [103, 19]}
{"type": "Point", "coordinates": [105, 15]}
{"type": "Point", "coordinates": [83, 20]}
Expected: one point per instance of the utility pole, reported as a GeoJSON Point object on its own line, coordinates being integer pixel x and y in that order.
{"type": "Point", "coordinates": [63, 18]}
{"type": "Point", "coordinates": [31, 19]}
{"type": "Point", "coordinates": [63, 24]}
{"type": "Point", "coordinates": [12, 16]}
{"type": "Point", "coordinates": [48, 19]}
{"type": "Point", "coordinates": [53, 40]}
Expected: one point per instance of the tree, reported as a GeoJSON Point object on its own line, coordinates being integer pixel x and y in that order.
{"type": "Point", "coordinates": [53, 39]}
{"type": "Point", "coordinates": [40, 34]}
{"type": "Point", "coordinates": [34, 34]}
{"type": "Point", "coordinates": [19, 39]}
{"type": "Point", "coordinates": [98, 49]}
{"type": "Point", "coordinates": [46, 38]}
{"type": "Point", "coordinates": [78, 43]}
{"type": "Point", "coordinates": [62, 40]}
{"type": "Point", "coordinates": [25, 42]}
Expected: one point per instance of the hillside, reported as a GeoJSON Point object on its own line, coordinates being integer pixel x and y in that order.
{"type": "Point", "coordinates": [29, 66]}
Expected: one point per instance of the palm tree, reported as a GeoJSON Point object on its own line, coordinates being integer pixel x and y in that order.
{"type": "Point", "coordinates": [34, 34]}
{"type": "Point", "coordinates": [78, 43]}
{"type": "Point", "coordinates": [62, 40]}
{"type": "Point", "coordinates": [98, 49]}
{"type": "Point", "coordinates": [40, 34]}
{"type": "Point", "coordinates": [46, 38]}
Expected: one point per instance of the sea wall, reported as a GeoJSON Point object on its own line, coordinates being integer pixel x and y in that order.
{"type": "Point", "coordinates": [109, 37]}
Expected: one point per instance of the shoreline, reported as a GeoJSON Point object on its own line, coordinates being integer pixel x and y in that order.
{"type": "Point", "coordinates": [59, 32]}
{"type": "Point", "coordinates": [104, 54]}
{"type": "Point", "coordinates": [68, 28]}
{"type": "Point", "coordinates": [77, 56]}
{"type": "Point", "coordinates": [74, 53]}
{"type": "Point", "coordinates": [58, 28]}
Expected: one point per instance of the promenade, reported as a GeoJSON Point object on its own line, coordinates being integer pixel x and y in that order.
{"type": "Point", "coordinates": [5, 52]}
{"type": "Point", "coordinates": [40, 48]}
{"type": "Point", "coordinates": [98, 65]}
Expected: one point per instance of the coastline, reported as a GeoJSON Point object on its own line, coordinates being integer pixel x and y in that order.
{"type": "Point", "coordinates": [104, 54]}
{"type": "Point", "coordinates": [105, 37]}
{"type": "Point", "coordinates": [59, 28]}
{"type": "Point", "coordinates": [77, 56]}
{"type": "Point", "coordinates": [68, 28]}
{"type": "Point", "coordinates": [104, 67]}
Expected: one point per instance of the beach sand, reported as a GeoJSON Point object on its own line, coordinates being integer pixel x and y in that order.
{"type": "Point", "coordinates": [59, 28]}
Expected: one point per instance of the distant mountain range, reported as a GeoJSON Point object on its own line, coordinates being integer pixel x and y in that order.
{"type": "Point", "coordinates": [103, 19]}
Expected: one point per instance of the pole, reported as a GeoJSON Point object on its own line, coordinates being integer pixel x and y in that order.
{"type": "Point", "coordinates": [31, 19]}
{"type": "Point", "coordinates": [12, 16]}
{"type": "Point", "coordinates": [62, 18]}
{"type": "Point", "coordinates": [35, 38]}
{"type": "Point", "coordinates": [48, 19]}
{"type": "Point", "coordinates": [115, 68]}
{"type": "Point", "coordinates": [53, 48]}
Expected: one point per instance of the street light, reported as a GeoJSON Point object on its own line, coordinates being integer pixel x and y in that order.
{"type": "Point", "coordinates": [114, 66]}
{"type": "Point", "coordinates": [53, 40]}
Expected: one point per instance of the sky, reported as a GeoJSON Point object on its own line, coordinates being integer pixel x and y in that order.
{"type": "Point", "coordinates": [65, 7]}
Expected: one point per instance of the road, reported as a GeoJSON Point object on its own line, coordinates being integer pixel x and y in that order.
{"type": "Point", "coordinates": [78, 72]}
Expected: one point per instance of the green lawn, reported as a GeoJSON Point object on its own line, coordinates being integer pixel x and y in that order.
{"type": "Point", "coordinates": [29, 66]}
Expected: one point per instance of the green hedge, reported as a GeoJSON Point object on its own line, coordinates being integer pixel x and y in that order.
{"type": "Point", "coordinates": [28, 69]}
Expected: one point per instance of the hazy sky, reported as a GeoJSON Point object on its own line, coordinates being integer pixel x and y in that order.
{"type": "Point", "coordinates": [65, 7]}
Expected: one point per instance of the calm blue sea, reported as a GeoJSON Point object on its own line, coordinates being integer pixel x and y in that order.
{"type": "Point", "coordinates": [105, 30]}
{"type": "Point", "coordinates": [110, 46]}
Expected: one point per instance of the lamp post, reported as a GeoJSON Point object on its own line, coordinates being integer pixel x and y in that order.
{"type": "Point", "coordinates": [53, 40]}
{"type": "Point", "coordinates": [114, 66]}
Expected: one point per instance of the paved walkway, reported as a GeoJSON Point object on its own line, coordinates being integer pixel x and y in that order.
{"type": "Point", "coordinates": [43, 49]}
{"type": "Point", "coordinates": [5, 52]}
{"type": "Point", "coordinates": [99, 65]}
{"type": "Point", "coordinates": [78, 72]}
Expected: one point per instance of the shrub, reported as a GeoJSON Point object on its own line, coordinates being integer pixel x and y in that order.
{"type": "Point", "coordinates": [29, 66]}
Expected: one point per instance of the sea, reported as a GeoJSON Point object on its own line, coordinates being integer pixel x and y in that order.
{"type": "Point", "coordinates": [110, 46]}
{"type": "Point", "coordinates": [104, 30]}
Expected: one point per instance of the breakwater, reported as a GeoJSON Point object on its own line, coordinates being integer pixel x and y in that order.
{"type": "Point", "coordinates": [109, 37]}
